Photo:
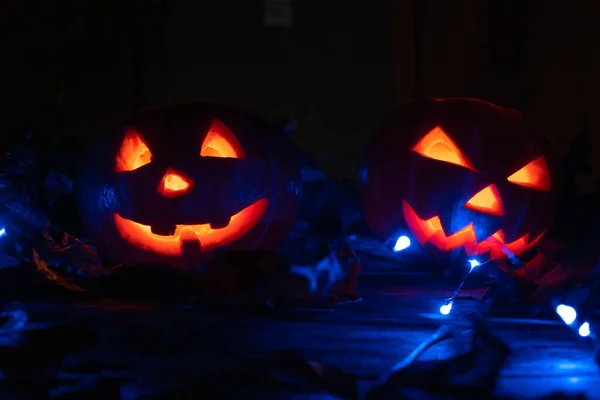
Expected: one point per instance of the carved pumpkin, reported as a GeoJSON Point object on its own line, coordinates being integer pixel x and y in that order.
{"type": "Point", "coordinates": [458, 176]}
{"type": "Point", "coordinates": [175, 185]}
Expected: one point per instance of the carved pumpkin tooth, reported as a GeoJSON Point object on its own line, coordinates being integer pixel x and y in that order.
{"type": "Point", "coordinates": [188, 235]}
{"type": "Point", "coordinates": [166, 230]}
{"type": "Point", "coordinates": [220, 224]}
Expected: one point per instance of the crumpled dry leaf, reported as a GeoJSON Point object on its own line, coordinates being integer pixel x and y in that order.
{"type": "Point", "coordinates": [288, 368]}
{"type": "Point", "coordinates": [32, 178]}
{"type": "Point", "coordinates": [330, 281]}
{"type": "Point", "coordinates": [43, 268]}
{"type": "Point", "coordinates": [81, 256]}
{"type": "Point", "coordinates": [472, 374]}
{"type": "Point", "coordinates": [70, 255]}
{"type": "Point", "coordinates": [25, 214]}
{"type": "Point", "coordinates": [7, 261]}
{"type": "Point", "coordinates": [557, 266]}
{"type": "Point", "coordinates": [57, 184]}
{"type": "Point", "coordinates": [13, 321]}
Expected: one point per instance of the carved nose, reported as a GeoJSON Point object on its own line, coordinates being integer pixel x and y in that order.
{"type": "Point", "coordinates": [174, 184]}
{"type": "Point", "coordinates": [487, 201]}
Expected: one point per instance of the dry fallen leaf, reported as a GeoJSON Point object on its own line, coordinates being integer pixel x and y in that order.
{"type": "Point", "coordinates": [43, 268]}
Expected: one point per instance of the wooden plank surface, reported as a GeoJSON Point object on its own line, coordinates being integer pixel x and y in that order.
{"type": "Point", "coordinates": [171, 345]}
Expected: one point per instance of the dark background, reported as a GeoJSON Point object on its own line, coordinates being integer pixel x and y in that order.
{"type": "Point", "coordinates": [69, 65]}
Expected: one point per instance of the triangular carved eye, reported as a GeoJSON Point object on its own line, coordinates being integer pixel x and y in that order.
{"type": "Point", "coordinates": [134, 152]}
{"type": "Point", "coordinates": [437, 145]}
{"type": "Point", "coordinates": [487, 201]}
{"type": "Point", "coordinates": [534, 175]}
{"type": "Point", "coordinates": [221, 142]}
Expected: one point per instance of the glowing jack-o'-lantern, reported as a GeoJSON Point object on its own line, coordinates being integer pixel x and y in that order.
{"type": "Point", "coordinates": [178, 184]}
{"type": "Point", "coordinates": [459, 176]}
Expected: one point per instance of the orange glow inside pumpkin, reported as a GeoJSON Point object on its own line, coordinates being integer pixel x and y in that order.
{"type": "Point", "coordinates": [431, 231]}
{"type": "Point", "coordinates": [534, 175]}
{"type": "Point", "coordinates": [240, 224]}
{"type": "Point", "coordinates": [134, 152]}
{"type": "Point", "coordinates": [220, 142]}
{"type": "Point", "coordinates": [487, 201]}
{"type": "Point", "coordinates": [437, 145]}
{"type": "Point", "coordinates": [174, 184]}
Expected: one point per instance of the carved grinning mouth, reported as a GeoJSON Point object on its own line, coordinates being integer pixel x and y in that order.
{"type": "Point", "coordinates": [209, 236]}
{"type": "Point", "coordinates": [431, 231]}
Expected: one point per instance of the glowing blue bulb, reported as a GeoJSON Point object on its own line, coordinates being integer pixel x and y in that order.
{"type": "Point", "coordinates": [402, 243]}
{"type": "Point", "coordinates": [2, 232]}
{"type": "Point", "coordinates": [567, 313]}
{"type": "Point", "coordinates": [474, 263]}
{"type": "Point", "coordinates": [584, 330]}
{"type": "Point", "coordinates": [446, 308]}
